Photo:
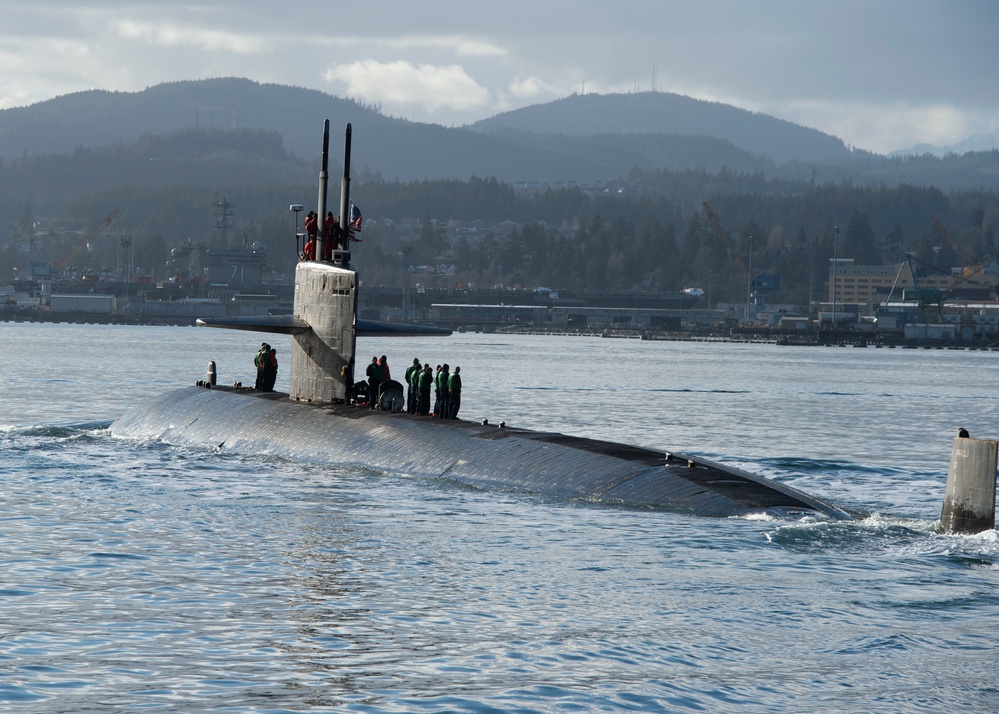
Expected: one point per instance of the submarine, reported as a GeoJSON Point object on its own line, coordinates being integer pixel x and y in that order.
{"type": "Point", "coordinates": [319, 421]}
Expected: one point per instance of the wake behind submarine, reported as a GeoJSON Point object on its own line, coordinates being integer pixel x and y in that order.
{"type": "Point", "coordinates": [316, 422]}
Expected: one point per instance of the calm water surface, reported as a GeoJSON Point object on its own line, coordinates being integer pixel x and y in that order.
{"type": "Point", "coordinates": [140, 576]}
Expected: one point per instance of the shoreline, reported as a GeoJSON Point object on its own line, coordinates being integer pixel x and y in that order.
{"type": "Point", "coordinates": [839, 338]}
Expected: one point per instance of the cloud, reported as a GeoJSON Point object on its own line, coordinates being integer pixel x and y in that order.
{"type": "Point", "coordinates": [175, 34]}
{"type": "Point", "coordinates": [39, 68]}
{"type": "Point", "coordinates": [401, 83]}
{"type": "Point", "coordinates": [882, 127]}
{"type": "Point", "coordinates": [531, 87]}
{"type": "Point", "coordinates": [459, 45]}
{"type": "Point", "coordinates": [14, 98]}
{"type": "Point", "coordinates": [903, 78]}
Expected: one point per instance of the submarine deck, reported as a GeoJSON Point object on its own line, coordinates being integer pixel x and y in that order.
{"type": "Point", "coordinates": [484, 456]}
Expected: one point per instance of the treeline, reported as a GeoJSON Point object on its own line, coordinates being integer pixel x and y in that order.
{"type": "Point", "coordinates": [647, 232]}
{"type": "Point", "coordinates": [665, 242]}
{"type": "Point", "coordinates": [236, 157]}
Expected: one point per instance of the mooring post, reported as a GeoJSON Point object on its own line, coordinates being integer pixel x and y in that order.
{"type": "Point", "coordinates": [970, 502]}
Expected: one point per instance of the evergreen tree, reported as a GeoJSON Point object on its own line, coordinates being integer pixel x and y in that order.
{"type": "Point", "coordinates": [858, 241]}
{"type": "Point", "coordinates": [27, 222]}
{"type": "Point", "coordinates": [895, 243]}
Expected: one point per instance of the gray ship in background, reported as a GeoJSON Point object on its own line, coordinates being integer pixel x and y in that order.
{"type": "Point", "coordinates": [319, 422]}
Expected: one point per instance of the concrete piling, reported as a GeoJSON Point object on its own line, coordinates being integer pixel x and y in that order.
{"type": "Point", "coordinates": [970, 501]}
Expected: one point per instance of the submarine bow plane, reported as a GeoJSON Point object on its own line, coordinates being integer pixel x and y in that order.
{"type": "Point", "coordinates": [316, 423]}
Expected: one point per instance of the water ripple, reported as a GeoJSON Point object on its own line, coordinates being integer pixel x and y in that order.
{"type": "Point", "coordinates": [137, 575]}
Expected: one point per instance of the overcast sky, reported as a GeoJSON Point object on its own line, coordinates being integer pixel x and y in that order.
{"type": "Point", "coordinates": [880, 74]}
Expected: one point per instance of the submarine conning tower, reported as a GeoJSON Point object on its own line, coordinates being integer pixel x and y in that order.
{"type": "Point", "coordinates": [322, 358]}
{"type": "Point", "coordinates": [324, 322]}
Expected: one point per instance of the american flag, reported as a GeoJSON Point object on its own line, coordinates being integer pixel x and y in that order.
{"type": "Point", "coordinates": [355, 223]}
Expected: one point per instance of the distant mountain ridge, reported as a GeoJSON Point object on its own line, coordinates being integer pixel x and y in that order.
{"type": "Point", "coordinates": [665, 112]}
{"type": "Point", "coordinates": [978, 142]}
{"type": "Point", "coordinates": [394, 148]}
{"type": "Point", "coordinates": [586, 138]}
{"type": "Point", "coordinates": [99, 117]}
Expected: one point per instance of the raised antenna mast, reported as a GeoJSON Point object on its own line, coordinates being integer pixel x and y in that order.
{"type": "Point", "coordinates": [323, 180]}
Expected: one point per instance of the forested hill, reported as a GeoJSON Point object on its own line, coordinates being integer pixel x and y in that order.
{"type": "Point", "coordinates": [582, 139]}
{"type": "Point", "coordinates": [667, 113]}
{"type": "Point", "coordinates": [98, 118]}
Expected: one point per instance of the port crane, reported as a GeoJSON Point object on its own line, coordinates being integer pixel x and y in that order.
{"type": "Point", "coordinates": [970, 265]}
{"type": "Point", "coordinates": [59, 265]}
{"type": "Point", "coordinates": [931, 299]}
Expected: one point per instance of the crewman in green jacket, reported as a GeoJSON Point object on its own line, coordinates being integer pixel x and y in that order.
{"type": "Point", "coordinates": [413, 385]}
{"type": "Point", "coordinates": [426, 383]}
{"type": "Point", "coordinates": [442, 389]}
{"type": "Point", "coordinates": [258, 362]}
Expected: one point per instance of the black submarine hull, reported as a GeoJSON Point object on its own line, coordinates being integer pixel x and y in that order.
{"type": "Point", "coordinates": [484, 456]}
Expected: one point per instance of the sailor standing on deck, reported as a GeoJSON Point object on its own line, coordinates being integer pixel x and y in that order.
{"type": "Point", "coordinates": [454, 394]}
{"type": "Point", "coordinates": [442, 387]}
{"type": "Point", "coordinates": [375, 378]}
{"type": "Point", "coordinates": [412, 385]}
{"type": "Point", "coordinates": [426, 380]}
{"type": "Point", "coordinates": [269, 360]}
{"type": "Point", "coordinates": [309, 252]}
{"type": "Point", "coordinates": [258, 362]}
{"type": "Point", "coordinates": [329, 243]}
{"type": "Point", "coordinates": [312, 231]}
{"type": "Point", "coordinates": [437, 391]}
{"type": "Point", "coordinates": [312, 225]}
